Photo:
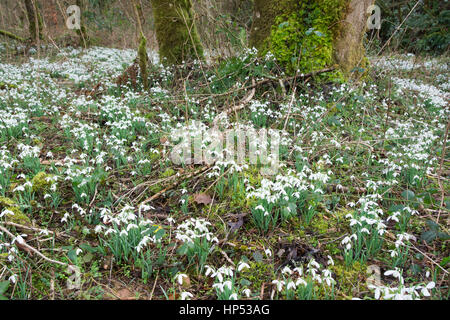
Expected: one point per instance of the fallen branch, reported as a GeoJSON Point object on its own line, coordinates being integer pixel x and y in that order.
{"type": "Point", "coordinates": [342, 189]}
{"type": "Point", "coordinates": [26, 247]}
{"type": "Point", "coordinates": [11, 35]}
{"type": "Point", "coordinates": [176, 183]}
{"type": "Point", "coordinates": [270, 79]}
{"type": "Point", "coordinates": [236, 108]}
{"type": "Point", "coordinates": [27, 227]}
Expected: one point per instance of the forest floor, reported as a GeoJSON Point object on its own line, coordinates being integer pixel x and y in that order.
{"type": "Point", "coordinates": [93, 206]}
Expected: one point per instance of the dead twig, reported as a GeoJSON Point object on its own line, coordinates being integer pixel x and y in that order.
{"type": "Point", "coordinates": [29, 248]}
{"type": "Point", "coordinates": [176, 183]}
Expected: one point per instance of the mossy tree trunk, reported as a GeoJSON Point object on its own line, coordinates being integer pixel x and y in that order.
{"type": "Point", "coordinates": [34, 20]}
{"type": "Point", "coordinates": [176, 32]}
{"type": "Point", "coordinates": [348, 45]}
{"type": "Point", "coordinates": [310, 35]}
{"type": "Point", "coordinates": [142, 49]}
{"type": "Point", "coordinates": [84, 37]}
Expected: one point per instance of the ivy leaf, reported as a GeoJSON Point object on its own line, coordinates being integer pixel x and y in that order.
{"type": "Point", "coordinates": [309, 31]}
{"type": "Point", "coordinates": [160, 233]}
{"type": "Point", "coordinates": [3, 287]}
{"type": "Point", "coordinates": [72, 254]}
{"type": "Point", "coordinates": [283, 24]}
{"type": "Point", "coordinates": [88, 248]}
{"type": "Point", "coordinates": [408, 195]}
{"type": "Point", "coordinates": [88, 257]}
{"type": "Point", "coordinates": [433, 225]}
{"type": "Point", "coordinates": [257, 256]}
{"type": "Point", "coordinates": [182, 250]}
{"type": "Point", "coordinates": [245, 282]}
{"type": "Point", "coordinates": [428, 236]}
{"type": "Point", "coordinates": [443, 236]}
{"type": "Point", "coordinates": [319, 34]}
{"type": "Point", "coordinates": [445, 262]}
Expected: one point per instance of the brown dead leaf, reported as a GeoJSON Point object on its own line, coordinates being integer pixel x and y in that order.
{"type": "Point", "coordinates": [235, 226]}
{"type": "Point", "coordinates": [163, 140]}
{"type": "Point", "coordinates": [173, 296]}
{"type": "Point", "coordinates": [186, 282]}
{"type": "Point", "coordinates": [125, 294]}
{"type": "Point", "coordinates": [202, 198]}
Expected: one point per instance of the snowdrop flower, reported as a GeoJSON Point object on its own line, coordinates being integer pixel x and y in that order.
{"type": "Point", "coordinates": [377, 291]}
{"type": "Point", "coordinates": [330, 261]}
{"type": "Point", "coordinates": [299, 271]}
{"type": "Point", "coordinates": [185, 295]}
{"type": "Point", "coordinates": [180, 278]}
{"type": "Point", "coordinates": [45, 232]}
{"type": "Point", "coordinates": [425, 289]}
{"type": "Point", "coordinates": [170, 220]}
{"type": "Point", "coordinates": [19, 189]}
{"type": "Point", "coordinates": [210, 270]}
{"type": "Point", "coordinates": [218, 285]}
{"type": "Point", "coordinates": [6, 212]}
{"type": "Point", "coordinates": [279, 284]}
{"type": "Point", "coordinates": [19, 239]}
{"type": "Point", "coordinates": [65, 217]}
{"type": "Point", "coordinates": [242, 265]}
{"type": "Point", "coordinates": [13, 278]}
{"type": "Point", "coordinates": [247, 292]}
{"type": "Point", "coordinates": [286, 270]}
{"type": "Point", "coordinates": [228, 284]}
{"type": "Point", "coordinates": [110, 230]}
{"type": "Point", "coordinates": [300, 281]}
{"type": "Point", "coordinates": [291, 285]}
{"type": "Point", "coordinates": [233, 296]}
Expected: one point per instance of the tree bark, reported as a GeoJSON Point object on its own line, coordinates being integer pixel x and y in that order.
{"type": "Point", "coordinates": [176, 32]}
{"type": "Point", "coordinates": [84, 38]}
{"type": "Point", "coordinates": [142, 49]}
{"type": "Point", "coordinates": [310, 35]}
{"type": "Point", "coordinates": [264, 14]}
{"type": "Point", "coordinates": [32, 11]}
{"type": "Point", "coordinates": [348, 46]}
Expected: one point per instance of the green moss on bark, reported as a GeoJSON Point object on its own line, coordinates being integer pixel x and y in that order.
{"type": "Point", "coordinates": [143, 58]}
{"type": "Point", "coordinates": [176, 33]}
{"type": "Point", "coordinates": [32, 11]}
{"type": "Point", "coordinates": [300, 34]}
{"type": "Point", "coordinates": [82, 33]}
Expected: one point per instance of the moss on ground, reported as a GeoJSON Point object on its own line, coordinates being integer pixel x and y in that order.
{"type": "Point", "coordinates": [18, 216]}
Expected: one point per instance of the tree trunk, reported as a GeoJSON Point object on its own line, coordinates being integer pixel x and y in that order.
{"type": "Point", "coordinates": [176, 33]}
{"type": "Point", "coordinates": [33, 17]}
{"type": "Point", "coordinates": [310, 35]}
{"type": "Point", "coordinates": [348, 46]}
{"type": "Point", "coordinates": [85, 40]}
{"type": "Point", "coordinates": [142, 49]}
